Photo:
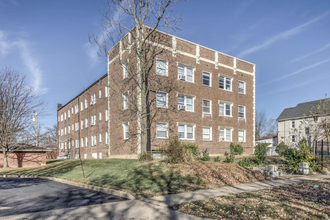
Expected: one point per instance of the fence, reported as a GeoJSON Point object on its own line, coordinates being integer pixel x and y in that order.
{"type": "Point", "coordinates": [321, 152]}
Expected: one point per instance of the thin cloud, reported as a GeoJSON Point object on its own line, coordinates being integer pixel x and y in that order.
{"type": "Point", "coordinates": [296, 72]}
{"type": "Point", "coordinates": [281, 36]}
{"type": "Point", "coordinates": [294, 87]}
{"type": "Point", "coordinates": [310, 54]}
{"type": "Point", "coordinates": [30, 62]}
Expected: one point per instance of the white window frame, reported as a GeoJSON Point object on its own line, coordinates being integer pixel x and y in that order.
{"type": "Point", "coordinates": [210, 78]}
{"type": "Point", "coordinates": [106, 91]}
{"type": "Point", "coordinates": [210, 133]}
{"type": "Point", "coordinates": [165, 68]}
{"type": "Point", "coordinates": [185, 72]}
{"type": "Point", "coordinates": [166, 96]}
{"type": "Point", "coordinates": [82, 124]}
{"type": "Point", "coordinates": [125, 70]}
{"type": "Point", "coordinates": [77, 143]}
{"type": "Point", "coordinates": [165, 124]}
{"type": "Point", "coordinates": [86, 122]}
{"type": "Point", "coordinates": [93, 120]}
{"type": "Point", "coordinates": [225, 131]}
{"type": "Point", "coordinates": [244, 135]}
{"type": "Point", "coordinates": [207, 113]}
{"type": "Point", "coordinates": [244, 114]}
{"type": "Point", "coordinates": [125, 99]}
{"type": "Point", "coordinates": [100, 93]}
{"type": "Point", "coordinates": [64, 115]}
{"type": "Point", "coordinates": [65, 131]}
{"type": "Point", "coordinates": [82, 142]}
{"type": "Point", "coordinates": [72, 127]}
{"type": "Point", "coordinates": [100, 116]}
{"type": "Point", "coordinates": [106, 115]}
{"type": "Point", "coordinates": [100, 155]}
{"type": "Point", "coordinates": [185, 97]}
{"type": "Point", "coordinates": [76, 109]}
{"type": "Point", "coordinates": [225, 83]}
{"type": "Point", "coordinates": [244, 88]}
{"type": "Point", "coordinates": [94, 140]}
{"type": "Point", "coordinates": [93, 99]}
{"type": "Point", "coordinates": [72, 110]}
{"type": "Point", "coordinates": [185, 131]}
{"type": "Point", "coordinates": [77, 126]}
{"type": "Point", "coordinates": [81, 106]}
{"type": "Point", "coordinates": [225, 109]}
{"type": "Point", "coordinates": [86, 103]}
{"type": "Point", "coordinates": [69, 113]}
{"type": "Point", "coordinates": [86, 141]}
{"type": "Point", "coordinates": [94, 155]}
{"type": "Point", "coordinates": [69, 129]}
{"type": "Point", "coordinates": [126, 132]}
{"type": "Point", "coordinates": [61, 117]}
{"type": "Point", "coordinates": [106, 137]}
{"type": "Point", "coordinates": [100, 137]}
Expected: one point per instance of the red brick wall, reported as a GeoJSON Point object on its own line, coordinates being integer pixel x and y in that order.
{"type": "Point", "coordinates": [24, 159]}
{"type": "Point", "coordinates": [52, 154]}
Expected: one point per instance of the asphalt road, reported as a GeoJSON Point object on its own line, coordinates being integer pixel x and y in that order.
{"type": "Point", "coordinates": [27, 195]}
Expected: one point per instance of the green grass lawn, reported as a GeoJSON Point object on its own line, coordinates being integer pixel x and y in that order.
{"type": "Point", "coordinates": [140, 179]}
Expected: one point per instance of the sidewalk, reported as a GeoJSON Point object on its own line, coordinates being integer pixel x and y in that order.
{"type": "Point", "coordinates": [156, 207]}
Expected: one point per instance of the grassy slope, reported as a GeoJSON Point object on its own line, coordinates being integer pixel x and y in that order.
{"type": "Point", "coordinates": [144, 179]}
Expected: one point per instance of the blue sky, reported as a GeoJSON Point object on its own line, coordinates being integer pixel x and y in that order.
{"type": "Point", "coordinates": [289, 41]}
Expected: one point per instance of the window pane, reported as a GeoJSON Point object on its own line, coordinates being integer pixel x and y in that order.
{"type": "Point", "coordinates": [206, 79]}
{"type": "Point", "coordinates": [222, 134]}
{"type": "Point", "coordinates": [161, 67]}
{"type": "Point", "coordinates": [180, 70]}
{"type": "Point", "coordinates": [161, 134]}
{"type": "Point", "coordinates": [190, 128]}
{"type": "Point", "coordinates": [228, 82]}
{"type": "Point", "coordinates": [190, 74]}
{"type": "Point", "coordinates": [222, 108]}
{"type": "Point", "coordinates": [228, 112]}
{"type": "Point", "coordinates": [221, 82]}
{"type": "Point", "coordinates": [161, 99]}
{"type": "Point", "coordinates": [241, 87]}
{"type": "Point", "coordinates": [189, 101]}
{"type": "Point", "coordinates": [228, 134]}
{"type": "Point", "coordinates": [206, 106]}
{"type": "Point", "coordinates": [181, 100]}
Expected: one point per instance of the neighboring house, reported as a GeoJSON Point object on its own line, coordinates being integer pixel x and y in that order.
{"type": "Point", "coordinates": [24, 155]}
{"type": "Point", "coordinates": [272, 141]}
{"type": "Point", "coordinates": [297, 123]}
{"type": "Point", "coordinates": [215, 107]}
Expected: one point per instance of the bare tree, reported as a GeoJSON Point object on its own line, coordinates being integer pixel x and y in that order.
{"type": "Point", "coordinates": [321, 116]}
{"type": "Point", "coordinates": [17, 102]}
{"type": "Point", "coordinates": [264, 126]}
{"type": "Point", "coordinates": [131, 25]}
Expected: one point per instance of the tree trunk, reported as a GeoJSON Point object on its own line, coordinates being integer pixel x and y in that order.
{"type": "Point", "coordinates": [5, 161]}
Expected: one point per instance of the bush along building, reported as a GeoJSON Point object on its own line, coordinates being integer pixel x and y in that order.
{"type": "Point", "coordinates": [165, 88]}
{"type": "Point", "coordinates": [308, 120]}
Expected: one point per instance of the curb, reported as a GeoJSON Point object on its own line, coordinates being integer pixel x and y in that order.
{"type": "Point", "coordinates": [85, 186]}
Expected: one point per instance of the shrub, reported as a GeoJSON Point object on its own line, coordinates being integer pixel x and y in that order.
{"type": "Point", "coordinates": [293, 156]}
{"type": "Point", "coordinates": [230, 158]}
{"type": "Point", "coordinates": [260, 153]}
{"type": "Point", "coordinates": [290, 157]}
{"type": "Point", "coordinates": [205, 155]}
{"type": "Point", "coordinates": [281, 148]}
{"type": "Point", "coordinates": [176, 152]}
{"type": "Point", "coordinates": [236, 149]}
{"type": "Point", "coordinates": [245, 162]}
{"type": "Point", "coordinates": [217, 159]}
{"type": "Point", "coordinates": [146, 156]}
{"type": "Point", "coordinates": [193, 148]}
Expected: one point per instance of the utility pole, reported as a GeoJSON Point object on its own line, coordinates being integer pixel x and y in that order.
{"type": "Point", "coordinates": [35, 118]}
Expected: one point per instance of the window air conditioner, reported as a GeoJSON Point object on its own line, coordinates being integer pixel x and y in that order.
{"type": "Point", "coordinates": [182, 107]}
{"type": "Point", "coordinates": [182, 77]}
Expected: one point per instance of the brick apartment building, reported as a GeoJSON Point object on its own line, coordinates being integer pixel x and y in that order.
{"type": "Point", "coordinates": [200, 95]}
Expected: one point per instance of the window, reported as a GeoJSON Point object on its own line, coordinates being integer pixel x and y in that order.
{"type": "Point", "coordinates": [76, 109]}
{"type": "Point", "coordinates": [125, 130]}
{"type": "Point", "coordinates": [93, 120]}
{"type": "Point", "coordinates": [86, 123]}
{"type": "Point", "coordinates": [225, 109]}
{"type": "Point", "coordinates": [241, 87]}
{"type": "Point", "coordinates": [241, 135]}
{"type": "Point", "coordinates": [65, 130]}
{"type": "Point", "coordinates": [82, 124]}
{"type": "Point", "coordinates": [206, 79]}
{"type": "Point", "coordinates": [72, 128]}
{"type": "Point", "coordinates": [61, 117]}
{"type": "Point", "coordinates": [161, 67]}
{"type": "Point", "coordinates": [72, 110]}
{"type": "Point", "coordinates": [225, 83]}
{"type": "Point", "coordinates": [77, 126]}
{"type": "Point", "coordinates": [62, 132]}
{"type": "Point", "coordinates": [77, 143]}
{"type": "Point", "coordinates": [82, 142]}
{"type": "Point", "coordinates": [100, 93]}
{"type": "Point", "coordinates": [106, 115]}
{"type": "Point", "coordinates": [100, 155]}
{"type": "Point", "coordinates": [186, 73]}
{"type": "Point", "coordinates": [241, 111]}
{"type": "Point", "coordinates": [81, 106]}
{"type": "Point", "coordinates": [293, 124]}
{"type": "Point", "coordinates": [186, 103]}
{"type": "Point", "coordinates": [72, 143]}
{"type": "Point", "coordinates": [93, 99]}
{"type": "Point", "coordinates": [125, 96]}
{"type": "Point", "coordinates": [207, 133]}
{"type": "Point", "coordinates": [125, 70]}
{"type": "Point", "coordinates": [161, 99]}
{"type": "Point", "coordinates": [100, 138]}
{"type": "Point", "coordinates": [207, 107]}
{"type": "Point", "coordinates": [100, 116]}
{"type": "Point", "coordinates": [106, 138]}
{"type": "Point", "coordinates": [94, 155]}
{"type": "Point", "coordinates": [225, 134]}
{"type": "Point", "coordinates": [86, 141]}
{"type": "Point", "coordinates": [69, 129]}
{"type": "Point", "coordinates": [64, 115]}
{"type": "Point", "coordinates": [306, 130]}
{"type": "Point", "coordinates": [69, 114]}
{"type": "Point", "coordinates": [106, 92]}
{"type": "Point", "coordinates": [186, 132]}
{"type": "Point", "coordinates": [293, 139]}
{"type": "Point", "coordinates": [86, 103]}
{"type": "Point", "coordinates": [93, 140]}
{"type": "Point", "coordinates": [85, 156]}
{"type": "Point", "coordinates": [162, 130]}
{"type": "Point", "coordinates": [65, 145]}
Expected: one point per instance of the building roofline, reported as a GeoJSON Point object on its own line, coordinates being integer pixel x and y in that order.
{"type": "Point", "coordinates": [102, 77]}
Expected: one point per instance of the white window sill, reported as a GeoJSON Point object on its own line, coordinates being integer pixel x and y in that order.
{"type": "Point", "coordinates": [226, 116]}
{"type": "Point", "coordinates": [226, 90]}
{"type": "Point", "coordinates": [186, 139]}
{"type": "Point", "coordinates": [162, 138]}
{"type": "Point", "coordinates": [185, 81]}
